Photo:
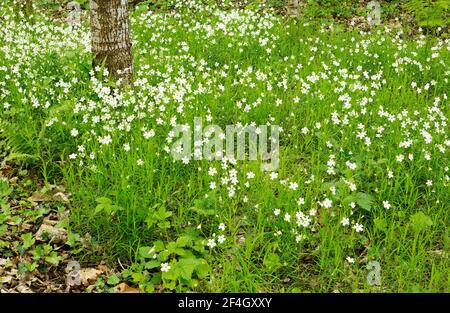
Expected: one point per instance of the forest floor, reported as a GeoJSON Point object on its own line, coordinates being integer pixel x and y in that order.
{"type": "Point", "coordinates": [38, 247]}
{"type": "Point", "coordinates": [93, 199]}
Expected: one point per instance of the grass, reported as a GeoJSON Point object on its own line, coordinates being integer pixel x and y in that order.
{"type": "Point", "coordinates": [365, 138]}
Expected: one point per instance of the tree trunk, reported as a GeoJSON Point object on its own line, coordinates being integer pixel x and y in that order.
{"type": "Point", "coordinates": [292, 8]}
{"type": "Point", "coordinates": [111, 39]}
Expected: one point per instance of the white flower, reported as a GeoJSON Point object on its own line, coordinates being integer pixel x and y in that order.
{"type": "Point", "coordinates": [106, 140]}
{"type": "Point", "coordinates": [211, 243]}
{"type": "Point", "coordinates": [327, 203]}
{"type": "Point", "coordinates": [429, 182]}
{"type": "Point", "coordinates": [212, 171]}
{"type": "Point", "coordinates": [74, 132]}
{"type": "Point", "coordinates": [287, 217]}
{"type": "Point", "coordinates": [250, 175]}
{"type": "Point", "coordinates": [358, 228]}
{"type": "Point", "coordinates": [350, 165]}
{"type": "Point", "coordinates": [299, 238]}
{"type": "Point", "coordinates": [140, 162]}
{"type": "Point", "coordinates": [221, 238]}
{"type": "Point", "coordinates": [400, 157]}
{"type": "Point", "coordinates": [276, 212]}
{"type": "Point", "coordinates": [165, 267]}
{"type": "Point", "coordinates": [149, 134]}
{"type": "Point", "coordinates": [350, 260]}
{"type": "Point", "coordinates": [345, 221]}
{"type": "Point", "coordinates": [126, 147]}
{"type": "Point", "coordinates": [386, 205]}
{"type": "Point", "coordinates": [222, 226]}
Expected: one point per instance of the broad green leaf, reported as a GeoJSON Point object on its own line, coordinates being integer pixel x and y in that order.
{"type": "Point", "coordinates": [113, 280]}
{"type": "Point", "coordinates": [202, 269]}
{"type": "Point", "coordinates": [271, 261]}
{"type": "Point", "coordinates": [28, 240]}
{"type": "Point", "coordinates": [186, 267]}
{"type": "Point", "coordinates": [146, 252]}
{"type": "Point", "coordinates": [419, 221]}
{"type": "Point", "coordinates": [152, 264]}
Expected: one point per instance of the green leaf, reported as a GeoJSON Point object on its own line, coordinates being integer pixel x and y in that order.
{"type": "Point", "coordinates": [4, 188]}
{"type": "Point", "coordinates": [137, 277]}
{"type": "Point", "coordinates": [53, 258]}
{"type": "Point", "coordinates": [150, 220]}
{"type": "Point", "coordinates": [271, 261]}
{"type": "Point", "coordinates": [364, 200]}
{"type": "Point", "coordinates": [106, 204]}
{"type": "Point", "coordinates": [380, 224]}
{"type": "Point", "coordinates": [326, 186]}
{"type": "Point", "coordinates": [104, 201]}
{"type": "Point", "coordinates": [152, 264]}
{"type": "Point", "coordinates": [146, 252]}
{"type": "Point", "coordinates": [202, 269]}
{"type": "Point", "coordinates": [164, 225]}
{"type": "Point", "coordinates": [113, 280]}
{"type": "Point", "coordinates": [163, 255]}
{"type": "Point", "coordinates": [162, 214]}
{"type": "Point", "coordinates": [180, 251]}
{"type": "Point", "coordinates": [28, 240]}
{"type": "Point", "coordinates": [173, 273]}
{"type": "Point", "coordinates": [170, 284]}
{"type": "Point", "coordinates": [202, 211]}
{"type": "Point", "coordinates": [159, 245]}
{"type": "Point", "coordinates": [419, 221]}
{"type": "Point", "coordinates": [184, 241]}
{"type": "Point", "coordinates": [186, 267]}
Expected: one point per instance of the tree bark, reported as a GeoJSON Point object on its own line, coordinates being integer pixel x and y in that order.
{"type": "Point", "coordinates": [111, 39]}
{"type": "Point", "coordinates": [292, 8]}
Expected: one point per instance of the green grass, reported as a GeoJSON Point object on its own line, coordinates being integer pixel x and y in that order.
{"type": "Point", "coordinates": [235, 59]}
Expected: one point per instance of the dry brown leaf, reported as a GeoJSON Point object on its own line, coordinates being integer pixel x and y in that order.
{"type": "Point", "coordinates": [38, 197]}
{"type": "Point", "coordinates": [439, 253]}
{"type": "Point", "coordinates": [124, 288]}
{"type": "Point", "coordinates": [23, 289]}
{"type": "Point", "coordinates": [89, 275]}
{"type": "Point", "coordinates": [59, 196]}
{"type": "Point", "coordinates": [55, 234]}
{"type": "Point", "coordinates": [103, 268]}
{"type": "Point", "coordinates": [6, 279]}
{"type": "Point", "coordinates": [24, 227]}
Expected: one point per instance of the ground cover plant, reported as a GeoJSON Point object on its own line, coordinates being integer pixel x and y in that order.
{"type": "Point", "coordinates": [357, 203]}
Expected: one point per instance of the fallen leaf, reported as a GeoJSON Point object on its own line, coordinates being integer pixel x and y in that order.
{"type": "Point", "coordinates": [89, 275]}
{"type": "Point", "coordinates": [55, 234]}
{"type": "Point", "coordinates": [59, 196]}
{"type": "Point", "coordinates": [439, 253]}
{"type": "Point", "coordinates": [38, 197]}
{"type": "Point", "coordinates": [124, 288]}
{"type": "Point", "coordinates": [24, 289]}
{"type": "Point", "coordinates": [6, 279]}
